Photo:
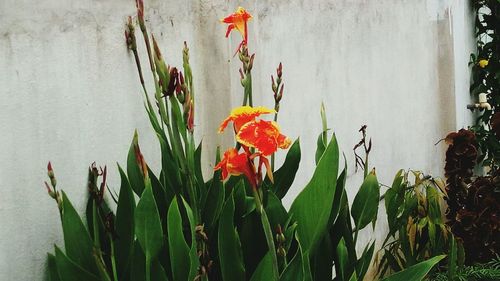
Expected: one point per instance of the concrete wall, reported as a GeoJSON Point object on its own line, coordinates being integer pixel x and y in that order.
{"type": "Point", "coordinates": [69, 92]}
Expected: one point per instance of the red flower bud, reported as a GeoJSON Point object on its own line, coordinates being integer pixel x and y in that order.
{"type": "Point", "coordinates": [279, 71]}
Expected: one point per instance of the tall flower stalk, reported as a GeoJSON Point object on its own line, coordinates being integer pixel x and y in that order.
{"type": "Point", "coordinates": [257, 138]}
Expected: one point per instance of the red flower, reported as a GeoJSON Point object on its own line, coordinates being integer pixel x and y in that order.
{"type": "Point", "coordinates": [239, 21]}
{"type": "Point", "coordinates": [262, 135]}
{"type": "Point", "coordinates": [242, 115]}
{"type": "Point", "coordinates": [236, 164]}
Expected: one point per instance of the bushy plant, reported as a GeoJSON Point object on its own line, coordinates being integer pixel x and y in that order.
{"type": "Point", "coordinates": [233, 226]}
{"type": "Point", "coordinates": [417, 229]}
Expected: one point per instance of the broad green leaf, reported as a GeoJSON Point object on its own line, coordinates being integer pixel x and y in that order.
{"type": "Point", "coordinates": [214, 200]}
{"type": "Point", "coordinates": [275, 211]}
{"type": "Point", "coordinates": [230, 256]}
{"type": "Point", "coordinates": [77, 241]}
{"type": "Point", "coordinates": [320, 148]}
{"type": "Point", "coordinates": [147, 223]}
{"type": "Point", "coordinates": [179, 249]}
{"type": "Point", "coordinates": [71, 271]}
{"type": "Point", "coordinates": [124, 224]}
{"type": "Point", "coordinates": [342, 261]}
{"type": "Point", "coordinates": [415, 272]}
{"type": "Point", "coordinates": [253, 241]}
{"type": "Point", "coordinates": [364, 261]}
{"type": "Point", "coordinates": [312, 207]}
{"type": "Point", "coordinates": [322, 259]}
{"type": "Point", "coordinates": [284, 176]}
{"type": "Point", "coordinates": [138, 267]}
{"type": "Point", "coordinates": [52, 268]}
{"type": "Point", "coordinates": [433, 205]}
{"type": "Point", "coordinates": [264, 270]}
{"type": "Point", "coordinates": [160, 196]}
{"type": "Point", "coordinates": [193, 251]}
{"type": "Point", "coordinates": [170, 169]}
{"type": "Point", "coordinates": [365, 204]}
{"type": "Point", "coordinates": [133, 171]}
{"type": "Point", "coordinates": [294, 271]}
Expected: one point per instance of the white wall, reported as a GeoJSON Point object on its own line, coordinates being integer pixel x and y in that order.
{"type": "Point", "coordinates": [69, 92]}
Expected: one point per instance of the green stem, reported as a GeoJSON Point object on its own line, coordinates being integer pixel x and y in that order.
{"type": "Point", "coordinates": [248, 88]}
{"type": "Point", "coordinates": [113, 262]}
{"type": "Point", "coordinates": [267, 231]}
{"type": "Point", "coordinates": [275, 120]}
{"type": "Point", "coordinates": [148, 268]}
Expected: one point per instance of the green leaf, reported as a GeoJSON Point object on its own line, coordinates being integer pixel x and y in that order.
{"type": "Point", "coordinates": [320, 148]}
{"type": "Point", "coordinates": [415, 272]}
{"type": "Point", "coordinates": [275, 211]}
{"type": "Point", "coordinates": [77, 241]}
{"type": "Point", "coordinates": [161, 198]}
{"type": "Point", "coordinates": [133, 171]}
{"type": "Point", "coordinates": [179, 249]}
{"type": "Point", "coordinates": [71, 271]}
{"type": "Point", "coordinates": [193, 251]}
{"type": "Point", "coordinates": [433, 205]}
{"type": "Point", "coordinates": [214, 200]}
{"type": "Point", "coordinates": [264, 270]}
{"type": "Point", "coordinates": [294, 271]}
{"type": "Point", "coordinates": [365, 204]}
{"type": "Point", "coordinates": [231, 260]}
{"type": "Point", "coordinates": [364, 261]}
{"type": "Point", "coordinates": [52, 268]}
{"type": "Point", "coordinates": [138, 269]}
{"type": "Point", "coordinates": [322, 259]}
{"type": "Point", "coordinates": [147, 223]}
{"type": "Point", "coordinates": [312, 207]}
{"type": "Point", "coordinates": [342, 260]}
{"type": "Point", "coordinates": [284, 176]}
{"type": "Point", "coordinates": [124, 224]}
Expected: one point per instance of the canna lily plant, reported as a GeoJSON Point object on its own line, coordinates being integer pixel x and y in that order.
{"type": "Point", "coordinates": [173, 224]}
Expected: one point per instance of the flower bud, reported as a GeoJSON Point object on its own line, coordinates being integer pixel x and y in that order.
{"type": "Point", "coordinates": [190, 117]}
{"type": "Point", "coordinates": [281, 252]}
{"type": "Point", "coordinates": [140, 14]}
{"type": "Point", "coordinates": [250, 63]}
{"type": "Point", "coordinates": [185, 53]}
{"type": "Point", "coordinates": [279, 71]}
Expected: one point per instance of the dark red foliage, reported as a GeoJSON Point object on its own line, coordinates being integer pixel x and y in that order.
{"type": "Point", "coordinates": [473, 203]}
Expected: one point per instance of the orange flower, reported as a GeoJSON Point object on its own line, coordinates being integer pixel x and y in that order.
{"type": "Point", "coordinates": [236, 164]}
{"type": "Point", "coordinates": [239, 21]}
{"type": "Point", "coordinates": [263, 135]}
{"type": "Point", "coordinates": [242, 115]}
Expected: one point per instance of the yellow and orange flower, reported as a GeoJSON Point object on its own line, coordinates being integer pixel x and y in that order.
{"type": "Point", "coordinates": [236, 164]}
{"type": "Point", "coordinates": [239, 21]}
{"type": "Point", "coordinates": [262, 135]}
{"type": "Point", "coordinates": [242, 115]}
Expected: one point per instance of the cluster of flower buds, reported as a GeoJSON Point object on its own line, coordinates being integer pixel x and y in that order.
{"type": "Point", "coordinates": [139, 157]}
{"type": "Point", "coordinates": [277, 86]}
{"type": "Point", "coordinates": [202, 251]}
{"type": "Point", "coordinates": [280, 242]}
{"type": "Point", "coordinates": [130, 35]}
{"type": "Point", "coordinates": [51, 189]}
{"type": "Point", "coordinates": [140, 14]}
{"type": "Point", "coordinates": [247, 62]}
{"type": "Point", "coordinates": [97, 192]}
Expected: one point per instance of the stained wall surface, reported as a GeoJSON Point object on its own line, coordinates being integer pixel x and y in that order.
{"type": "Point", "coordinates": [69, 92]}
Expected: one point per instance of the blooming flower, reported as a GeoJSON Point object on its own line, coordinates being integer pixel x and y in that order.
{"type": "Point", "coordinates": [262, 135]}
{"type": "Point", "coordinates": [483, 63]}
{"type": "Point", "coordinates": [239, 21]}
{"type": "Point", "coordinates": [242, 115]}
{"type": "Point", "coordinates": [236, 164]}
